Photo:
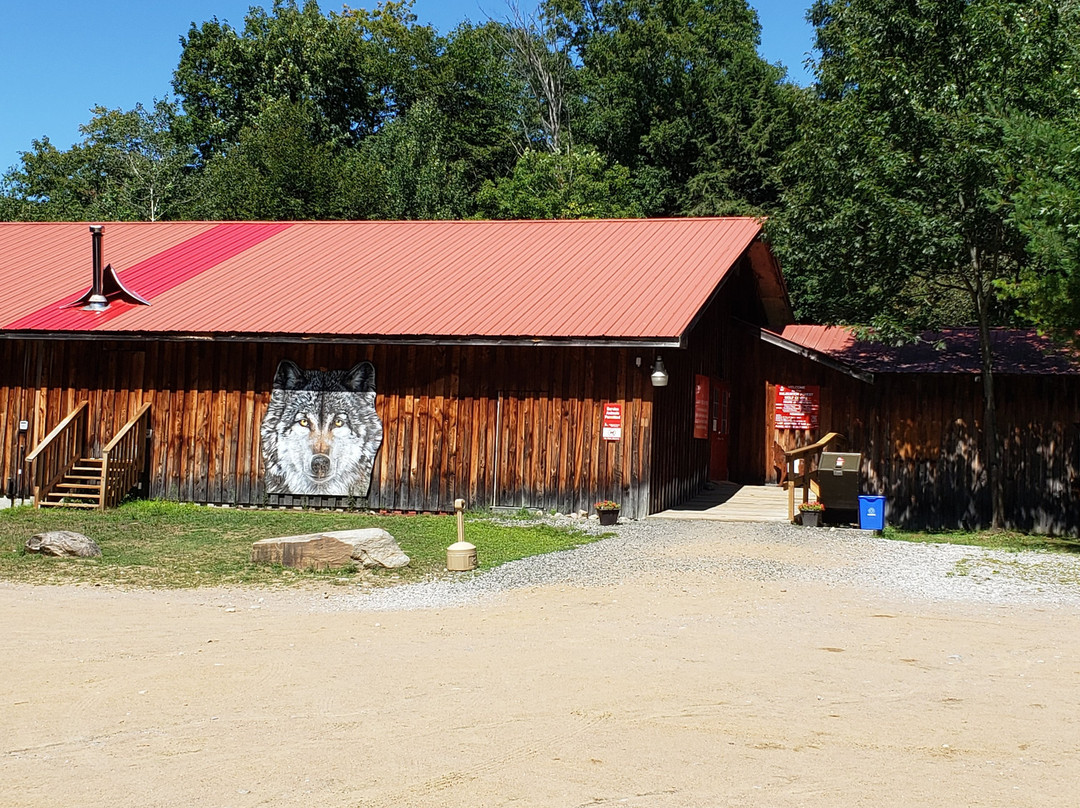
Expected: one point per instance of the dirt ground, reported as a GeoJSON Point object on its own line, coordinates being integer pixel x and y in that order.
{"type": "Point", "coordinates": [688, 691]}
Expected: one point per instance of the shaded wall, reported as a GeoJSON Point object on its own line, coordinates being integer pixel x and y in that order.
{"type": "Point", "coordinates": [717, 346]}
{"type": "Point", "coordinates": [921, 438]}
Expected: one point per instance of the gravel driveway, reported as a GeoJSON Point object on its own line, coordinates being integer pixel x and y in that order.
{"type": "Point", "coordinates": [764, 552]}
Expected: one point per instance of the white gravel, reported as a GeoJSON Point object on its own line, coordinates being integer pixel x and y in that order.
{"type": "Point", "coordinates": [839, 557]}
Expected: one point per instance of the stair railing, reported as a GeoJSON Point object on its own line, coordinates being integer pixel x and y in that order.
{"type": "Point", "coordinates": [123, 459]}
{"type": "Point", "coordinates": [812, 455]}
{"type": "Point", "coordinates": [58, 452]}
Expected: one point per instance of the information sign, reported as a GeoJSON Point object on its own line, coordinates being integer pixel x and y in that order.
{"type": "Point", "coordinates": [701, 407]}
{"type": "Point", "coordinates": [612, 423]}
{"type": "Point", "coordinates": [797, 407]}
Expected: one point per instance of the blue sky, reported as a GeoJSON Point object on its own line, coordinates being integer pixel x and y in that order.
{"type": "Point", "coordinates": [58, 59]}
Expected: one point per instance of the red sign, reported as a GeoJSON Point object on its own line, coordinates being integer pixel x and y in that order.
{"type": "Point", "coordinates": [612, 423]}
{"type": "Point", "coordinates": [797, 407]}
{"type": "Point", "coordinates": [701, 406]}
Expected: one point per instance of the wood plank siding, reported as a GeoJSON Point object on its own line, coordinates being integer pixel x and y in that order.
{"type": "Point", "coordinates": [497, 426]}
{"type": "Point", "coordinates": [921, 434]}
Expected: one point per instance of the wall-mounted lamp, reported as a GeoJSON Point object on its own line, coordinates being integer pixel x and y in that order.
{"type": "Point", "coordinates": [659, 373]}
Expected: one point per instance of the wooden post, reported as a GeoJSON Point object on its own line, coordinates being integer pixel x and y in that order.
{"type": "Point", "coordinates": [790, 489]}
{"type": "Point", "coordinates": [103, 486]}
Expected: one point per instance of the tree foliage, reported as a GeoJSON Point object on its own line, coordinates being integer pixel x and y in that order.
{"type": "Point", "coordinates": [1046, 211]}
{"type": "Point", "coordinates": [357, 69]}
{"type": "Point", "coordinates": [676, 91]}
{"type": "Point", "coordinates": [418, 176]}
{"type": "Point", "coordinates": [900, 188]}
{"type": "Point", "coordinates": [574, 184]}
{"type": "Point", "coordinates": [277, 169]}
{"type": "Point", "coordinates": [129, 166]}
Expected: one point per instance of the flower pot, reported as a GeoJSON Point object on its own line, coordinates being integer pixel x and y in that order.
{"type": "Point", "coordinates": [608, 517]}
{"type": "Point", "coordinates": [811, 518]}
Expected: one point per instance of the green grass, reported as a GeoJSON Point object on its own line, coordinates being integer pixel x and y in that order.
{"type": "Point", "coordinates": [993, 539]}
{"type": "Point", "coordinates": [1040, 572]}
{"type": "Point", "coordinates": [170, 545]}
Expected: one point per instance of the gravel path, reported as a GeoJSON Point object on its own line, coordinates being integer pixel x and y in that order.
{"type": "Point", "coordinates": [765, 552]}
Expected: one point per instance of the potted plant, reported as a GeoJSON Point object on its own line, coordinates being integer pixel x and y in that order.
{"type": "Point", "coordinates": [608, 511]}
{"type": "Point", "coordinates": [811, 513]}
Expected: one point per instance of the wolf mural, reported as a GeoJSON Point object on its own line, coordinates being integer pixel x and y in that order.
{"type": "Point", "coordinates": [320, 433]}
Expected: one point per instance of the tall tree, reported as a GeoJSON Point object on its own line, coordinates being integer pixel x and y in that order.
{"type": "Point", "coordinates": [418, 178]}
{"type": "Point", "coordinates": [1046, 210]}
{"type": "Point", "coordinates": [676, 91]}
{"type": "Point", "coordinates": [357, 68]}
{"type": "Point", "coordinates": [129, 166]}
{"type": "Point", "coordinates": [278, 169]}
{"type": "Point", "coordinates": [903, 183]}
{"type": "Point", "coordinates": [575, 183]}
{"type": "Point", "coordinates": [478, 99]}
{"type": "Point", "coordinates": [539, 56]}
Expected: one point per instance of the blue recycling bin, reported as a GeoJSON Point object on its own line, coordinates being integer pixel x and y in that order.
{"type": "Point", "coordinates": [872, 513]}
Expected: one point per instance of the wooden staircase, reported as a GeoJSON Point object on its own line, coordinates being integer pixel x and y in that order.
{"type": "Point", "coordinates": [79, 488]}
{"type": "Point", "coordinates": [64, 476]}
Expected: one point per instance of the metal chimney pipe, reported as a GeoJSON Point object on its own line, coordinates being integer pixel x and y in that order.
{"type": "Point", "coordinates": [97, 301]}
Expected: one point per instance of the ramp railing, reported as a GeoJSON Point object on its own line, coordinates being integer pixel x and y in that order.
{"type": "Point", "coordinates": [123, 459]}
{"type": "Point", "coordinates": [810, 457]}
{"type": "Point", "coordinates": [51, 459]}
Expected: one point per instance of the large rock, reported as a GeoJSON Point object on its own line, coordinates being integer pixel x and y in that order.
{"type": "Point", "coordinates": [63, 544]}
{"type": "Point", "coordinates": [371, 547]}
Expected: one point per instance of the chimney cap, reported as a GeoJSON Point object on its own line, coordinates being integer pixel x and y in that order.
{"type": "Point", "coordinates": [105, 285]}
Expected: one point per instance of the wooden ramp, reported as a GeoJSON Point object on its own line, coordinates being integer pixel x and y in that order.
{"type": "Point", "coordinates": [731, 502]}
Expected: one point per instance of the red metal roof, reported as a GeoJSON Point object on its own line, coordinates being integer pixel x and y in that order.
{"type": "Point", "coordinates": [1019, 351]}
{"type": "Point", "coordinates": [636, 279]}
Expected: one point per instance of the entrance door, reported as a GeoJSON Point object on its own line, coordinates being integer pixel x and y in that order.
{"type": "Point", "coordinates": [719, 429]}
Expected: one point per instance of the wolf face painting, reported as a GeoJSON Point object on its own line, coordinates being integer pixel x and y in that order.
{"type": "Point", "coordinates": [320, 433]}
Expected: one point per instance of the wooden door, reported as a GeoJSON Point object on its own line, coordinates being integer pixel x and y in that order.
{"type": "Point", "coordinates": [719, 429]}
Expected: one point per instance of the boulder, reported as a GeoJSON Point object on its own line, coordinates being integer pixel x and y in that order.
{"type": "Point", "coordinates": [370, 547]}
{"type": "Point", "coordinates": [63, 544]}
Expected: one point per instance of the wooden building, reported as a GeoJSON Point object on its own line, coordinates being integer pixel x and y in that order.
{"type": "Point", "coordinates": [401, 365]}
{"type": "Point", "coordinates": [915, 412]}
{"type": "Point", "coordinates": [507, 363]}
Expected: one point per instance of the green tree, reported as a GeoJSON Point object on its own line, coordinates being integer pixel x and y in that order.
{"type": "Point", "coordinates": [129, 166]}
{"type": "Point", "coordinates": [477, 99]}
{"type": "Point", "coordinates": [278, 169]}
{"type": "Point", "coordinates": [50, 184]}
{"type": "Point", "coordinates": [900, 208]}
{"type": "Point", "coordinates": [146, 167]}
{"type": "Point", "coordinates": [366, 84]}
{"type": "Point", "coordinates": [574, 184]}
{"type": "Point", "coordinates": [417, 175]}
{"type": "Point", "coordinates": [358, 69]}
{"type": "Point", "coordinates": [1046, 210]}
{"type": "Point", "coordinates": [676, 91]}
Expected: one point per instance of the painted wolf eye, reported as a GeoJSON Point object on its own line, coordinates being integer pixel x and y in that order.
{"type": "Point", "coordinates": [339, 421]}
{"type": "Point", "coordinates": [304, 422]}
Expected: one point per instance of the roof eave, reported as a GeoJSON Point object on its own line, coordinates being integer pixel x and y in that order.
{"type": "Point", "coordinates": [815, 356]}
{"type": "Point", "coordinates": [367, 339]}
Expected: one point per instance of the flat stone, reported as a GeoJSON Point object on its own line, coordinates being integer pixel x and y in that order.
{"type": "Point", "coordinates": [63, 544]}
{"type": "Point", "coordinates": [370, 547]}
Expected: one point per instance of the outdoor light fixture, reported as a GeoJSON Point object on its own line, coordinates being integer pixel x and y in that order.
{"type": "Point", "coordinates": [659, 373]}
